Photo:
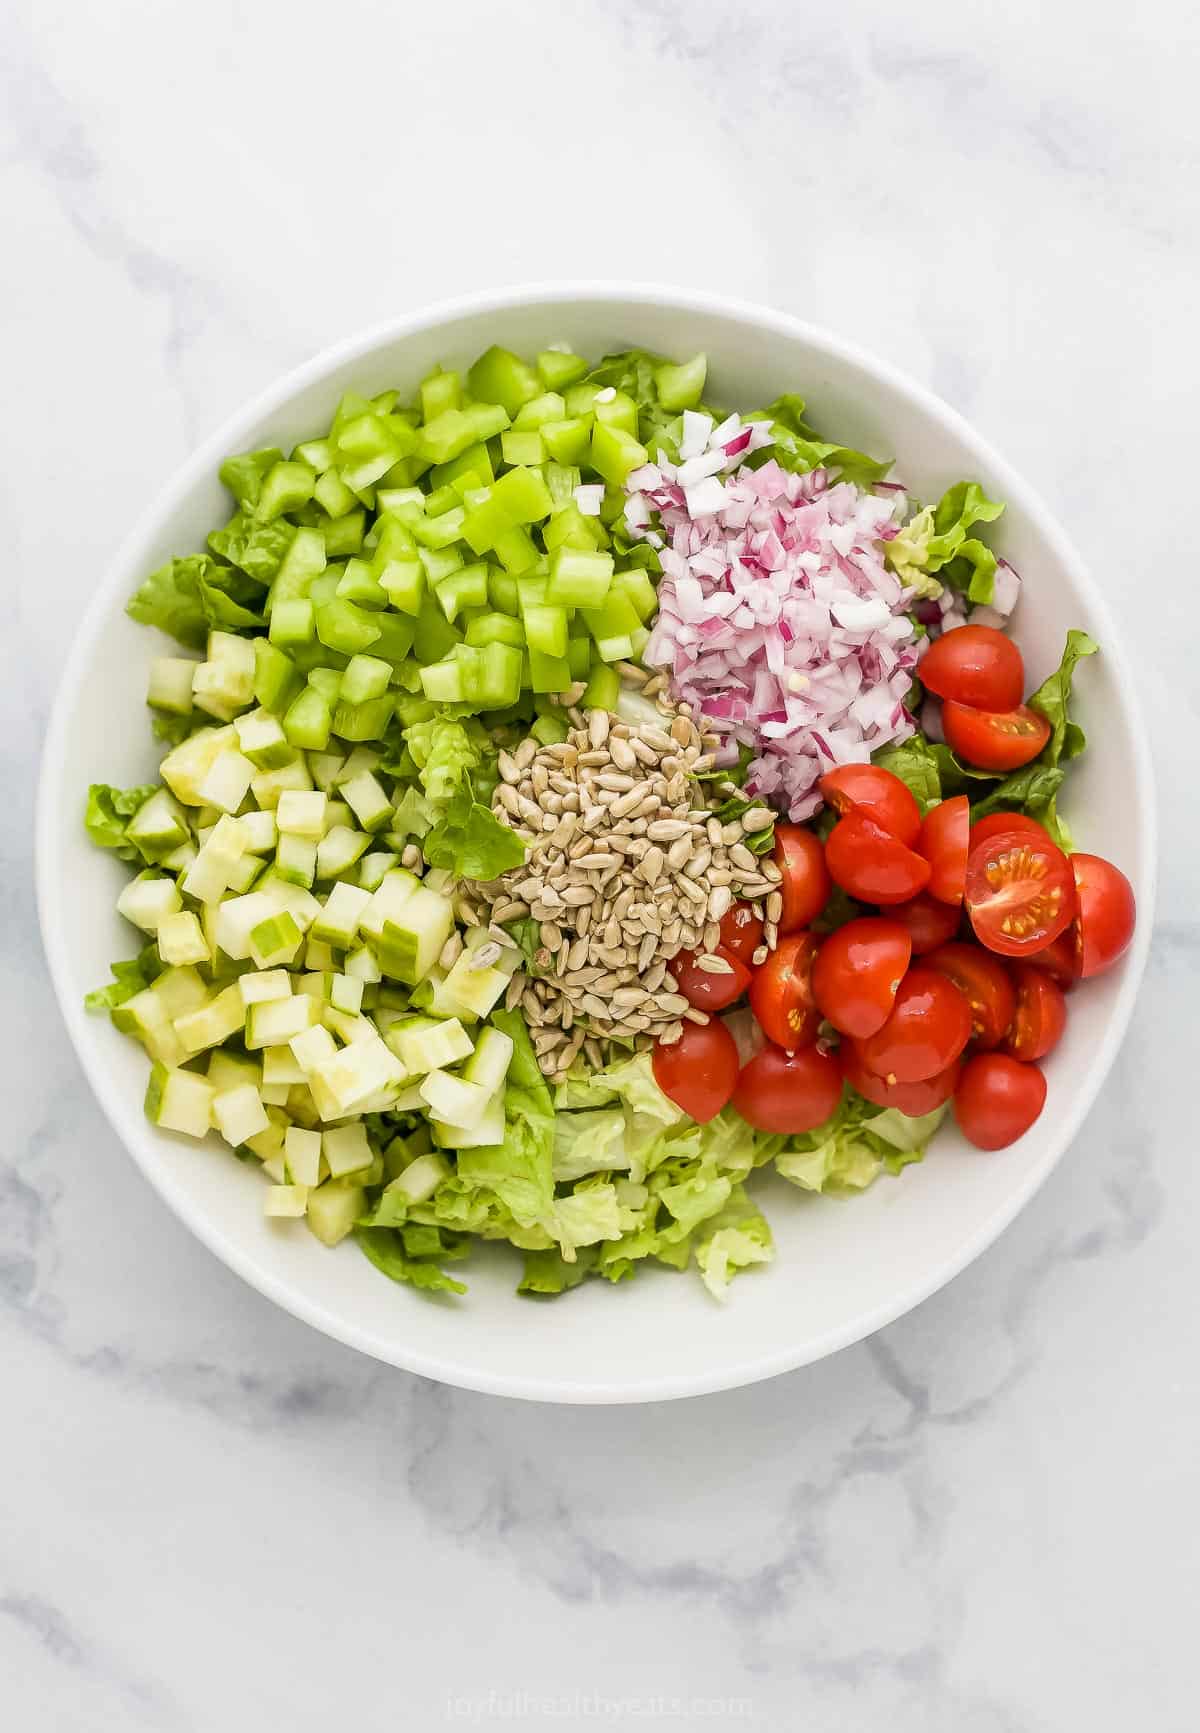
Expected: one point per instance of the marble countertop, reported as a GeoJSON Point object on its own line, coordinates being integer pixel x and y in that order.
{"type": "Point", "coordinates": [982, 1520]}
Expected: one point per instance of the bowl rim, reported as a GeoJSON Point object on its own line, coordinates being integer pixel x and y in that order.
{"type": "Point", "coordinates": [204, 460]}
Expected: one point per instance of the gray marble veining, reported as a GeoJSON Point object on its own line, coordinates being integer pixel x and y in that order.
{"type": "Point", "coordinates": [979, 1521]}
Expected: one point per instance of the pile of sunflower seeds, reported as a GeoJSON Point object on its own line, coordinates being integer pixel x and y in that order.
{"type": "Point", "coordinates": [627, 866]}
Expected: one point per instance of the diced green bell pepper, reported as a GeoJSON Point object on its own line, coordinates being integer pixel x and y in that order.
{"type": "Point", "coordinates": [344, 535]}
{"type": "Point", "coordinates": [465, 588]}
{"type": "Point", "coordinates": [568, 440]}
{"type": "Point", "coordinates": [357, 584]}
{"type": "Point", "coordinates": [619, 411]}
{"type": "Point", "coordinates": [548, 407]}
{"type": "Point", "coordinates": [615, 452]}
{"type": "Point", "coordinates": [342, 625]}
{"type": "Point", "coordinates": [403, 581]}
{"type": "Point", "coordinates": [638, 587]}
{"type": "Point", "coordinates": [365, 677]}
{"type": "Point", "coordinates": [303, 561]}
{"type": "Point", "coordinates": [546, 630]}
{"type": "Point", "coordinates": [332, 494]}
{"type": "Point", "coordinates": [500, 671]}
{"type": "Point", "coordinates": [578, 579]}
{"type": "Point", "coordinates": [276, 677]}
{"type": "Point", "coordinates": [439, 532]}
{"type": "Point", "coordinates": [494, 628]}
{"type": "Point", "coordinates": [548, 673]}
{"type": "Point", "coordinates": [307, 721]}
{"type": "Point", "coordinates": [434, 636]}
{"type": "Point", "coordinates": [286, 487]}
{"type": "Point", "coordinates": [499, 376]}
{"type": "Point", "coordinates": [293, 622]}
{"type": "Point", "coordinates": [502, 591]}
{"type": "Point", "coordinates": [682, 386]}
{"type": "Point", "coordinates": [558, 369]}
{"type": "Point", "coordinates": [522, 446]}
{"type": "Point", "coordinates": [515, 549]}
{"type": "Point", "coordinates": [603, 689]}
{"type": "Point", "coordinates": [359, 722]}
{"type": "Point", "coordinates": [440, 392]}
{"type": "Point", "coordinates": [579, 657]}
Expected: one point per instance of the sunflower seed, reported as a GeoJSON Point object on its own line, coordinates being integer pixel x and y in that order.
{"type": "Point", "coordinates": [710, 965]}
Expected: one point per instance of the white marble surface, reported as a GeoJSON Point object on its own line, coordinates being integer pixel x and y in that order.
{"type": "Point", "coordinates": [983, 1520]}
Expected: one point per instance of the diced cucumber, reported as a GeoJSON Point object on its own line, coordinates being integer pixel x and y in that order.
{"type": "Point", "coordinates": [453, 1100]}
{"type": "Point", "coordinates": [209, 876]}
{"type": "Point", "coordinates": [312, 1048]}
{"type": "Point", "coordinates": [262, 740]}
{"type": "Point", "coordinates": [268, 785]}
{"type": "Point", "coordinates": [470, 990]}
{"type": "Point", "coordinates": [212, 1023]}
{"type": "Point", "coordinates": [424, 1044]}
{"type": "Point", "coordinates": [280, 1065]}
{"type": "Point", "coordinates": [487, 1129]}
{"type": "Point", "coordinates": [488, 1065]}
{"type": "Point", "coordinates": [333, 1210]}
{"type": "Point", "coordinates": [286, 1201]}
{"type": "Point", "coordinates": [351, 1076]}
{"type": "Point", "coordinates": [170, 684]}
{"type": "Point", "coordinates": [346, 994]}
{"type": "Point", "coordinates": [339, 849]}
{"type": "Point", "coordinates": [226, 781]}
{"type": "Point", "coordinates": [275, 940]}
{"type": "Point", "coordinates": [338, 922]}
{"type": "Point", "coordinates": [259, 986]}
{"type": "Point", "coordinates": [301, 813]}
{"type": "Point", "coordinates": [180, 939]}
{"type": "Point", "coordinates": [421, 1178]}
{"type": "Point", "coordinates": [302, 1155]}
{"type": "Point", "coordinates": [345, 1149]}
{"type": "Point", "coordinates": [413, 938]}
{"type": "Point", "coordinates": [146, 901]}
{"type": "Point", "coordinates": [239, 1113]}
{"type": "Point", "coordinates": [296, 860]}
{"type": "Point", "coordinates": [277, 1021]}
{"type": "Point", "coordinates": [179, 1101]}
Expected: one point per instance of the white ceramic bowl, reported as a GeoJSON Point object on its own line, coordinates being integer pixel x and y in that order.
{"type": "Point", "coordinates": [843, 1268]}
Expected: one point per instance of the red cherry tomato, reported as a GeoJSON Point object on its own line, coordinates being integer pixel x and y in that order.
{"type": "Point", "coordinates": [943, 842]}
{"type": "Point", "coordinates": [1020, 892]}
{"type": "Point", "coordinates": [742, 931]}
{"type": "Point", "coordinates": [858, 972]}
{"type": "Point", "coordinates": [1107, 912]}
{"type": "Point", "coordinates": [994, 740]}
{"type": "Point", "coordinates": [1040, 1016]}
{"type": "Point", "coordinates": [997, 1099]}
{"type": "Point", "coordinates": [781, 994]}
{"type": "Point", "coordinates": [876, 794]}
{"type": "Point", "coordinates": [871, 863]}
{"type": "Point", "coordinates": [926, 1029]}
{"type": "Point", "coordinates": [997, 823]}
{"type": "Point", "coordinates": [927, 922]}
{"type": "Point", "coordinates": [699, 1071]}
{"type": "Point", "coordinates": [915, 1099]}
{"type": "Point", "coordinates": [710, 992]}
{"type": "Point", "coordinates": [805, 885]}
{"type": "Point", "coordinates": [974, 665]}
{"type": "Point", "coordinates": [1060, 959]}
{"type": "Point", "coordinates": [788, 1092]}
{"type": "Point", "coordinates": [984, 983]}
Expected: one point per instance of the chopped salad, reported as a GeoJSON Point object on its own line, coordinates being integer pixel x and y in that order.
{"type": "Point", "coordinates": [577, 796]}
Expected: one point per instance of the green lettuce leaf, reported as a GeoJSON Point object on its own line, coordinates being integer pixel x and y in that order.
{"type": "Point", "coordinates": [798, 448]}
{"type": "Point", "coordinates": [737, 1237]}
{"type": "Point", "coordinates": [586, 1216]}
{"type": "Point", "coordinates": [386, 1249]}
{"type": "Point", "coordinates": [130, 976]}
{"type": "Point", "coordinates": [850, 1150]}
{"type": "Point", "coordinates": [471, 842]}
{"type": "Point", "coordinates": [187, 596]}
{"type": "Point", "coordinates": [519, 1172]}
{"type": "Point", "coordinates": [915, 762]}
{"type": "Point", "coordinates": [937, 538]}
{"type": "Point", "coordinates": [245, 473]}
{"type": "Point", "coordinates": [1067, 739]}
{"type": "Point", "coordinates": [257, 549]}
{"type": "Point", "coordinates": [548, 1272]}
{"type": "Point", "coordinates": [589, 1142]}
{"type": "Point", "coordinates": [108, 812]}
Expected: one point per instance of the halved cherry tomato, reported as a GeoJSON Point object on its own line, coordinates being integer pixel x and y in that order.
{"type": "Point", "coordinates": [1060, 959]}
{"type": "Point", "coordinates": [927, 922]}
{"type": "Point", "coordinates": [926, 1030]}
{"type": "Point", "coordinates": [858, 972]}
{"type": "Point", "coordinates": [994, 740]}
{"type": "Point", "coordinates": [984, 983]}
{"type": "Point", "coordinates": [710, 992]}
{"type": "Point", "coordinates": [1107, 912]}
{"type": "Point", "coordinates": [997, 1099]}
{"type": "Point", "coordinates": [699, 1071]}
{"type": "Point", "coordinates": [974, 665]}
{"type": "Point", "coordinates": [876, 794]}
{"type": "Point", "coordinates": [996, 823]}
{"type": "Point", "coordinates": [781, 994]}
{"type": "Point", "coordinates": [1020, 892]}
{"type": "Point", "coordinates": [806, 884]}
{"type": "Point", "coordinates": [742, 931]}
{"type": "Point", "coordinates": [1040, 1016]}
{"type": "Point", "coordinates": [915, 1099]}
{"type": "Point", "coordinates": [871, 863]}
{"type": "Point", "coordinates": [788, 1092]}
{"type": "Point", "coordinates": [943, 842]}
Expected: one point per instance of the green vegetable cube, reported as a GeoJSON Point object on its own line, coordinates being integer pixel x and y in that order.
{"type": "Point", "coordinates": [615, 452]}
{"type": "Point", "coordinates": [548, 673]}
{"type": "Point", "coordinates": [170, 684]}
{"type": "Point", "coordinates": [287, 487]}
{"type": "Point", "coordinates": [499, 376]}
{"type": "Point", "coordinates": [403, 581]}
{"type": "Point", "coordinates": [558, 368]}
{"type": "Point", "coordinates": [522, 446]}
{"type": "Point", "coordinates": [546, 629]}
{"type": "Point", "coordinates": [179, 1101]}
{"type": "Point", "coordinates": [681, 387]}
{"type": "Point", "coordinates": [578, 579]}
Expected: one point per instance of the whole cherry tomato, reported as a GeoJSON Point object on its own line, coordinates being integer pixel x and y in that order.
{"type": "Point", "coordinates": [876, 794]}
{"type": "Point", "coordinates": [994, 740]}
{"type": "Point", "coordinates": [1060, 958]}
{"type": "Point", "coordinates": [1107, 912]}
{"type": "Point", "coordinates": [997, 1099]}
{"type": "Point", "coordinates": [872, 864]}
{"type": "Point", "coordinates": [781, 994]}
{"type": "Point", "coordinates": [927, 922]}
{"type": "Point", "coordinates": [984, 983]}
{"type": "Point", "coordinates": [742, 930]}
{"type": "Point", "coordinates": [710, 990]}
{"type": "Point", "coordinates": [858, 971]}
{"type": "Point", "coordinates": [999, 823]}
{"type": "Point", "coordinates": [974, 665]}
{"type": "Point", "coordinates": [926, 1029]}
{"type": "Point", "coordinates": [943, 842]}
{"type": "Point", "coordinates": [1040, 1016]}
{"type": "Point", "coordinates": [805, 885]}
{"type": "Point", "coordinates": [914, 1099]}
{"type": "Point", "coordinates": [788, 1093]}
{"type": "Point", "coordinates": [1020, 892]}
{"type": "Point", "coordinates": [699, 1071]}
